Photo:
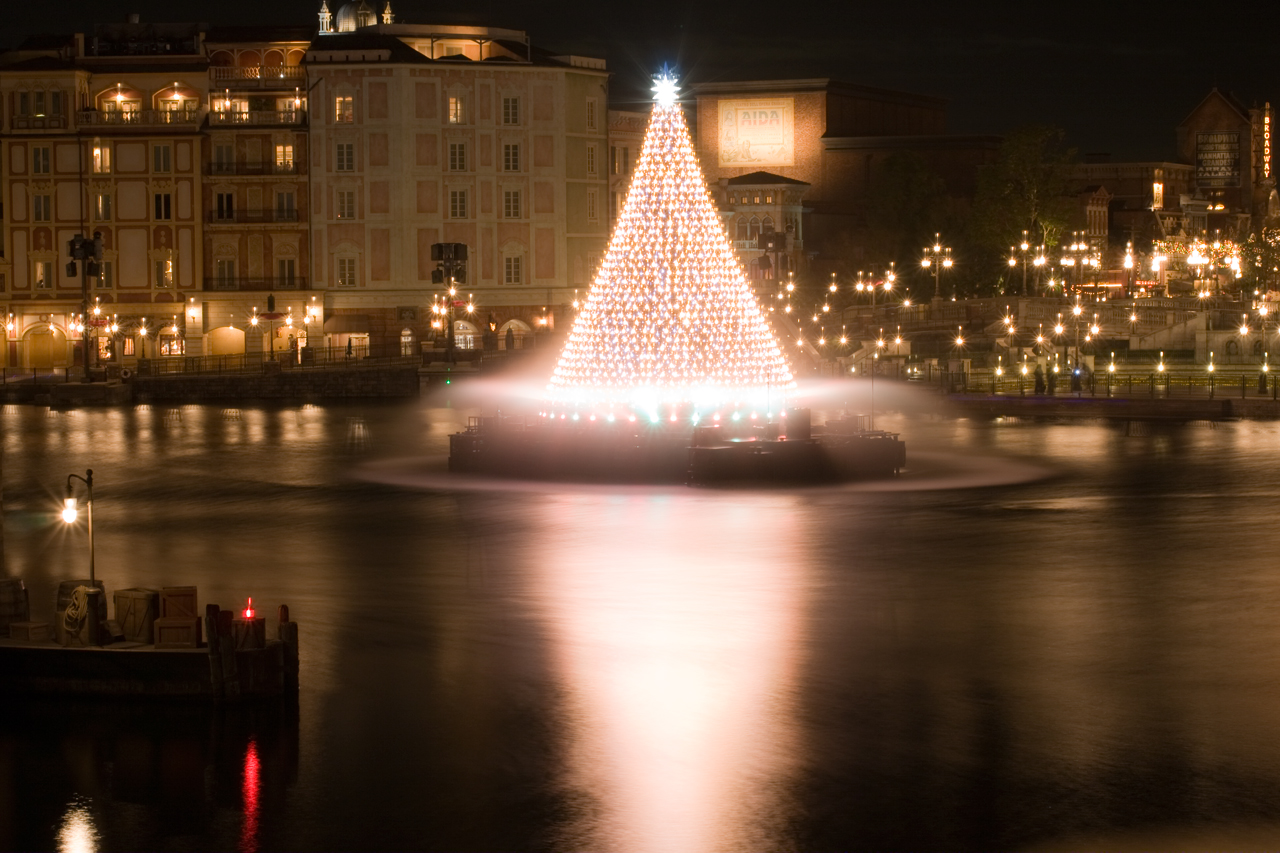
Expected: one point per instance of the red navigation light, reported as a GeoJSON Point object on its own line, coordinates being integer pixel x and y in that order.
{"type": "Point", "coordinates": [248, 611]}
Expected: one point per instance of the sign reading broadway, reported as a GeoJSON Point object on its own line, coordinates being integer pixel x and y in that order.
{"type": "Point", "coordinates": [1218, 159]}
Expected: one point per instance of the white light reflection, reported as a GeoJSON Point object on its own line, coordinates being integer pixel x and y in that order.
{"type": "Point", "coordinates": [674, 626]}
{"type": "Point", "coordinates": [77, 833]}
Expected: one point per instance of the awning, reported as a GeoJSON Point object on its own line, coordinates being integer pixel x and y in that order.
{"type": "Point", "coordinates": [347, 324]}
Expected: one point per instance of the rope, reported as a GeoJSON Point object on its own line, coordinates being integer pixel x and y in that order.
{"type": "Point", "coordinates": [77, 611]}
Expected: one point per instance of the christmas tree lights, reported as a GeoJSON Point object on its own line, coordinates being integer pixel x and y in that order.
{"type": "Point", "coordinates": [670, 320]}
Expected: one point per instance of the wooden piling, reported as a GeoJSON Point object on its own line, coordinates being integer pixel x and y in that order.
{"type": "Point", "coordinates": [287, 633]}
{"type": "Point", "coordinates": [215, 661]}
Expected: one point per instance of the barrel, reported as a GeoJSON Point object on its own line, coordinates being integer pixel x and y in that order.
{"type": "Point", "coordinates": [13, 603]}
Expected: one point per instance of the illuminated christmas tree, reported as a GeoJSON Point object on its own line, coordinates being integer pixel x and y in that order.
{"type": "Point", "coordinates": [670, 320]}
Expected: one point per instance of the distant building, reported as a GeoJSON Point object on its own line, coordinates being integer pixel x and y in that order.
{"type": "Point", "coordinates": [225, 166]}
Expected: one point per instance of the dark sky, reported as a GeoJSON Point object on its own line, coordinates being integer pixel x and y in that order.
{"type": "Point", "coordinates": [1118, 76]}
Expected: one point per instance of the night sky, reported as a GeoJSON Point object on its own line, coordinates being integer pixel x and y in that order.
{"type": "Point", "coordinates": [1117, 76]}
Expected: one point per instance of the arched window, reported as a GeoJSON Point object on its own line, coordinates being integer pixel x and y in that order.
{"type": "Point", "coordinates": [742, 228]}
{"type": "Point", "coordinates": [766, 224]}
{"type": "Point", "coordinates": [753, 228]}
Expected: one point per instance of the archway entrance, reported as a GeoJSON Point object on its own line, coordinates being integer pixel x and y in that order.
{"type": "Point", "coordinates": [46, 348]}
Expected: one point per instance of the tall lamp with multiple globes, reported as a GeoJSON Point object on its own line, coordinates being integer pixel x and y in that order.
{"type": "Point", "coordinates": [936, 258]}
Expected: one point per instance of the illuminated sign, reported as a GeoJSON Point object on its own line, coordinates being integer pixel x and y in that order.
{"type": "Point", "coordinates": [1266, 142]}
{"type": "Point", "coordinates": [757, 132]}
{"type": "Point", "coordinates": [1218, 159]}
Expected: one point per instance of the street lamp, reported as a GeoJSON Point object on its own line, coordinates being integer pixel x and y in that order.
{"type": "Point", "coordinates": [1020, 252]}
{"type": "Point", "coordinates": [70, 511]}
{"type": "Point", "coordinates": [937, 257]}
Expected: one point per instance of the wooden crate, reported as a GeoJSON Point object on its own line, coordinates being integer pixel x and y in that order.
{"type": "Point", "coordinates": [177, 632]}
{"type": "Point", "coordinates": [136, 612]}
{"type": "Point", "coordinates": [178, 601]}
{"type": "Point", "coordinates": [29, 632]}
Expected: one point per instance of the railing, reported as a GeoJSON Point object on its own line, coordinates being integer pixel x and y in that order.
{"type": "Point", "coordinates": [252, 217]}
{"type": "Point", "coordinates": [263, 75]}
{"type": "Point", "coordinates": [297, 282]}
{"type": "Point", "coordinates": [34, 376]}
{"type": "Point", "coordinates": [258, 117]}
{"type": "Point", "coordinates": [306, 358]}
{"type": "Point", "coordinates": [263, 168]}
{"type": "Point", "coordinates": [139, 118]}
{"type": "Point", "coordinates": [39, 122]}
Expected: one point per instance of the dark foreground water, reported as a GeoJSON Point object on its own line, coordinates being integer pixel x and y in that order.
{"type": "Point", "coordinates": [1043, 636]}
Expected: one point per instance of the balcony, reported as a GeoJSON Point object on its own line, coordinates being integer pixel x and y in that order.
{"type": "Point", "coordinates": [223, 283]}
{"type": "Point", "coordinates": [267, 168]}
{"type": "Point", "coordinates": [263, 216]}
{"type": "Point", "coordinates": [39, 123]}
{"type": "Point", "coordinates": [139, 118]}
{"type": "Point", "coordinates": [260, 76]}
{"type": "Point", "coordinates": [258, 118]}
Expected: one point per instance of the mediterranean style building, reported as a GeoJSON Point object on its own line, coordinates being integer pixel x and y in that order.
{"type": "Point", "coordinates": [259, 188]}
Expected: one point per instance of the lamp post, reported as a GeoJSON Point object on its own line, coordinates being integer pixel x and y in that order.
{"type": "Point", "coordinates": [70, 511]}
{"type": "Point", "coordinates": [1020, 252]}
{"type": "Point", "coordinates": [937, 258]}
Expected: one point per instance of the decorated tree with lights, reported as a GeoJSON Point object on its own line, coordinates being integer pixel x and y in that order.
{"type": "Point", "coordinates": [670, 320]}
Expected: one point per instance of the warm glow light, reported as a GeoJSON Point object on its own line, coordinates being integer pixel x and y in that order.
{"type": "Point", "coordinates": [69, 510]}
{"type": "Point", "coordinates": [77, 833]}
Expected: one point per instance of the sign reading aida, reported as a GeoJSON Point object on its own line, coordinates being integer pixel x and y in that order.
{"type": "Point", "coordinates": [1218, 159]}
{"type": "Point", "coordinates": [757, 132]}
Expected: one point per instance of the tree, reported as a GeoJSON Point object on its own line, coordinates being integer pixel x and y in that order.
{"type": "Point", "coordinates": [1025, 189]}
{"type": "Point", "coordinates": [905, 206]}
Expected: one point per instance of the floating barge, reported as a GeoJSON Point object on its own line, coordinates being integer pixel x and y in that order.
{"type": "Point", "coordinates": [141, 654]}
{"type": "Point", "coordinates": [633, 452]}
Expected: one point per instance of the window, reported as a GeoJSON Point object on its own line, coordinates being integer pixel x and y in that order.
{"type": "Point", "coordinates": [592, 213]}
{"type": "Point", "coordinates": [44, 275]}
{"type": "Point", "coordinates": [591, 159]}
{"type": "Point", "coordinates": [457, 204]}
{"type": "Point", "coordinates": [225, 270]}
{"type": "Point", "coordinates": [457, 156]}
{"type": "Point", "coordinates": [344, 109]}
{"type": "Point", "coordinates": [1157, 195]}
{"type": "Point", "coordinates": [40, 161]}
{"type": "Point", "coordinates": [286, 210]}
{"type": "Point", "coordinates": [38, 103]}
{"type": "Point", "coordinates": [591, 113]}
{"type": "Point", "coordinates": [742, 229]}
{"type": "Point", "coordinates": [106, 275]}
{"type": "Point", "coordinates": [346, 159]}
{"type": "Point", "coordinates": [511, 157]}
{"type": "Point", "coordinates": [24, 103]}
{"type": "Point", "coordinates": [226, 210]}
{"type": "Point", "coordinates": [626, 161]}
{"type": "Point", "coordinates": [346, 204]}
{"type": "Point", "coordinates": [164, 273]}
{"type": "Point", "coordinates": [224, 159]}
{"type": "Point", "coordinates": [510, 110]}
{"type": "Point", "coordinates": [457, 110]}
{"type": "Point", "coordinates": [753, 228]}
{"type": "Point", "coordinates": [453, 50]}
{"type": "Point", "coordinates": [101, 159]}
{"type": "Point", "coordinates": [102, 207]}
{"type": "Point", "coordinates": [284, 158]}
{"type": "Point", "coordinates": [406, 342]}
{"type": "Point", "coordinates": [42, 208]}
{"type": "Point", "coordinates": [615, 160]}
{"type": "Point", "coordinates": [126, 346]}
{"type": "Point", "coordinates": [511, 271]}
{"type": "Point", "coordinates": [164, 206]}
{"type": "Point", "coordinates": [768, 199]}
{"type": "Point", "coordinates": [511, 204]}
{"type": "Point", "coordinates": [55, 103]}
{"type": "Point", "coordinates": [346, 272]}
{"type": "Point", "coordinates": [161, 158]}
{"type": "Point", "coordinates": [285, 274]}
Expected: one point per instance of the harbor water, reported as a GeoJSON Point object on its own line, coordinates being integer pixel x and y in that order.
{"type": "Point", "coordinates": [1042, 635]}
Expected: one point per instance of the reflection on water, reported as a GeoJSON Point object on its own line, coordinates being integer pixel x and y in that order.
{"type": "Point", "coordinates": [678, 654]}
{"type": "Point", "coordinates": [77, 833]}
{"type": "Point", "coordinates": [1044, 634]}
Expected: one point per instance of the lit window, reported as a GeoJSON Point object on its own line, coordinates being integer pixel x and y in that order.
{"type": "Point", "coordinates": [284, 158]}
{"type": "Point", "coordinates": [164, 273]}
{"type": "Point", "coordinates": [106, 275]}
{"type": "Point", "coordinates": [346, 204]}
{"type": "Point", "coordinates": [344, 109]}
{"type": "Point", "coordinates": [346, 157]}
{"type": "Point", "coordinates": [43, 275]}
{"type": "Point", "coordinates": [511, 204]}
{"type": "Point", "coordinates": [101, 159]}
{"type": "Point", "coordinates": [457, 204]}
{"type": "Point", "coordinates": [511, 271]}
{"type": "Point", "coordinates": [457, 110]}
{"type": "Point", "coordinates": [346, 272]}
{"type": "Point", "coordinates": [510, 110]}
{"type": "Point", "coordinates": [102, 207]}
{"type": "Point", "coordinates": [457, 157]}
{"type": "Point", "coordinates": [511, 157]}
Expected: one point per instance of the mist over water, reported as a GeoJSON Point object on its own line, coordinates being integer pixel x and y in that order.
{"type": "Point", "coordinates": [1041, 635]}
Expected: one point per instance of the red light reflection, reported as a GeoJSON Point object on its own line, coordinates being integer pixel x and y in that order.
{"type": "Point", "coordinates": [250, 787]}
